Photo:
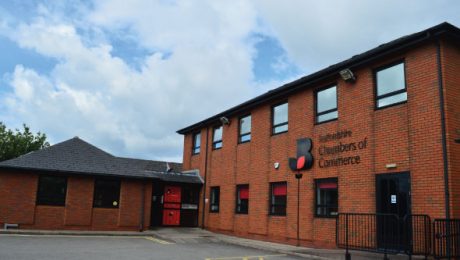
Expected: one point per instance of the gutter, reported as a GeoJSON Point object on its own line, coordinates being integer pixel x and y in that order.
{"type": "Point", "coordinates": [205, 179]}
{"type": "Point", "coordinates": [444, 147]}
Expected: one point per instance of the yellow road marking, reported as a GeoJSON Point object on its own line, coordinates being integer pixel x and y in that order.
{"type": "Point", "coordinates": [259, 257]}
{"type": "Point", "coordinates": [159, 241]}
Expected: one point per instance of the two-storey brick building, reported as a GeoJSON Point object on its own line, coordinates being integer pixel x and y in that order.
{"type": "Point", "coordinates": [384, 129]}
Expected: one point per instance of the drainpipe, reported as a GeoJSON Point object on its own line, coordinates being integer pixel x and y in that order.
{"type": "Point", "coordinates": [205, 178]}
{"type": "Point", "coordinates": [141, 222]}
{"type": "Point", "coordinates": [444, 146]}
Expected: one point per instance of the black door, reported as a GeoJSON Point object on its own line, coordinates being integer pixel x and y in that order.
{"type": "Point", "coordinates": [393, 208]}
{"type": "Point", "coordinates": [156, 215]}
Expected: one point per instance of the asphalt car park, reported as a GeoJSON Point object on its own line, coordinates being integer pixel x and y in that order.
{"type": "Point", "coordinates": [38, 247]}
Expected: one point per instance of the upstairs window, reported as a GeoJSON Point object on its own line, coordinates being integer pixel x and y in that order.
{"type": "Point", "coordinates": [245, 129]}
{"type": "Point", "coordinates": [215, 197]}
{"type": "Point", "coordinates": [278, 198]}
{"type": "Point", "coordinates": [326, 105]}
{"type": "Point", "coordinates": [106, 193]}
{"type": "Point", "coordinates": [217, 137]}
{"type": "Point", "coordinates": [326, 197]}
{"type": "Point", "coordinates": [242, 199]}
{"type": "Point", "coordinates": [196, 143]}
{"type": "Point", "coordinates": [280, 118]}
{"type": "Point", "coordinates": [51, 190]}
{"type": "Point", "coordinates": [391, 86]}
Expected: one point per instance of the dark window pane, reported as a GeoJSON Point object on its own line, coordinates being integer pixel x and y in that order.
{"type": "Point", "coordinates": [326, 198]}
{"type": "Point", "coordinates": [280, 114]}
{"type": "Point", "coordinates": [326, 99]}
{"type": "Point", "coordinates": [390, 79]}
{"type": "Point", "coordinates": [215, 197]}
{"type": "Point", "coordinates": [278, 199]}
{"type": "Point", "coordinates": [52, 190]}
{"type": "Point", "coordinates": [106, 193]}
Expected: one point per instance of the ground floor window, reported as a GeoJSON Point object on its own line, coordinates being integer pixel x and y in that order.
{"type": "Point", "coordinates": [326, 197]}
{"type": "Point", "coordinates": [106, 193]}
{"type": "Point", "coordinates": [242, 199]}
{"type": "Point", "coordinates": [51, 190]}
{"type": "Point", "coordinates": [215, 196]}
{"type": "Point", "coordinates": [278, 198]}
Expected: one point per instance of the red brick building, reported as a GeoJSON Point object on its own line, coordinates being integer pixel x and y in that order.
{"type": "Point", "coordinates": [383, 129]}
{"type": "Point", "coordinates": [74, 185]}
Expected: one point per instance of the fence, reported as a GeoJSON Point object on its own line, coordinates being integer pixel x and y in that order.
{"type": "Point", "coordinates": [384, 233]}
{"type": "Point", "coordinates": [446, 238]}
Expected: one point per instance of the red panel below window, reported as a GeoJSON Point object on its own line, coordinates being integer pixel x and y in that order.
{"type": "Point", "coordinates": [280, 190]}
{"type": "Point", "coordinates": [327, 185]}
{"type": "Point", "coordinates": [244, 193]}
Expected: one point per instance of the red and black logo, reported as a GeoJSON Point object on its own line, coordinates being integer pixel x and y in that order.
{"type": "Point", "coordinates": [304, 160]}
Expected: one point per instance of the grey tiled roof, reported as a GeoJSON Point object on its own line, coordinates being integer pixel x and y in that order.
{"type": "Point", "coordinates": [79, 157]}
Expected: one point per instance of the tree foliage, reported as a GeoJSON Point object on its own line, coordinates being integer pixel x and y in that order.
{"type": "Point", "coordinates": [16, 143]}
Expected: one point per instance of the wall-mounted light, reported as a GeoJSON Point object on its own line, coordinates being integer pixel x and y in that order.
{"type": "Point", "coordinates": [224, 120]}
{"type": "Point", "coordinates": [347, 75]}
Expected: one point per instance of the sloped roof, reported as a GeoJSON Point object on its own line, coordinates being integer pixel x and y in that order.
{"type": "Point", "coordinates": [79, 157]}
{"type": "Point", "coordinates": [402, 43]}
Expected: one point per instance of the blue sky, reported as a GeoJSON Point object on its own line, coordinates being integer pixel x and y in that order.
{"type": "Point", "coordinates": [126, 77]}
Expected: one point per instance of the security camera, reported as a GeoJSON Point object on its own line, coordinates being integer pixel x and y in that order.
{"type": "Point", "coordinates": [224, 120]}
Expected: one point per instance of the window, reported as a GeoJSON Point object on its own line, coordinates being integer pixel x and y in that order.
{"type": "Point", "coordinates": [278, 198]}
{"type": "Point", "coordinates": [245, 129]}
{"type": "Point", "coordinates": [280, 118]}
{"type": "Point", "coordinates": [391, 86]}
{"type": "Point", "coordinates": [242, 199]}
{"type": "Point", "coordinates": [326, 197]}
{"type": "Point", "coordinates": [217, 138]}
{"type": "Point", "coordinates": [326, 105]}
{"type": "Point", "coordinates": [215, 196]}
{"type": "Point", "coordinates": [106, 193]}
{"type": "Point", "coordinates": [51, 190]}
{"type": "Point", "coordinates": [196, 143]}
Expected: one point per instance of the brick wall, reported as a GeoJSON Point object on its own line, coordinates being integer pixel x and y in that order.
{"type": "Point", "coordinates": [18, 195]}
{"type": "Point", "coordinates": [451, 73]}
{"type": "Point", "coordinates": [408, 135]}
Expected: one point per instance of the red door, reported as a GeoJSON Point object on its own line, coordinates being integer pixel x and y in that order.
{"type": "Point", "coordinates": [171, 206]}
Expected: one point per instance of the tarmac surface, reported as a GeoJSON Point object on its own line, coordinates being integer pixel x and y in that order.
{"type": "Point", "coordinates": [162, 243]}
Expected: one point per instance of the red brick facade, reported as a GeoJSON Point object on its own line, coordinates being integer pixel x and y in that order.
{"type": "Point", "coordinates": [18, 191]}
{"type": "Point", "coordinates": [408, 135]}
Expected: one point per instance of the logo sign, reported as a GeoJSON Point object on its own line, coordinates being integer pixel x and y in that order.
{"type": "Point", "coordinates": [304, 160]}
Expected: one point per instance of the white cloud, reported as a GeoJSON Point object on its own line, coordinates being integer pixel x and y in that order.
{"type": "Point", "coordinates": [97, 96]}
{"type": "Point", "coordinates": [199, 60]}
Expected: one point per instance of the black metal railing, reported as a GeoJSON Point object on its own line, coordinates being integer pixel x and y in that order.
{"type": "Point", "coordinates": [384, 233]}
{"type": "Point", "coordinates": [446, 238]}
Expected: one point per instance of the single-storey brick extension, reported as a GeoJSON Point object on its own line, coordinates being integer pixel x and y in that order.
{"type": "Point", "coordinates": [75, 185]}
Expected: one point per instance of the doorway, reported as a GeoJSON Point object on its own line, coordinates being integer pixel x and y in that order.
{"type": "Point", "coordinates": [393, 209]}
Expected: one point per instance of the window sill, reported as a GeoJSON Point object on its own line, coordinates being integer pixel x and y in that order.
{"type": "Point", "coordinates": [274, 134]}
{"type": "Point", "coordinates": [50, 205]}
{"type": "Point", "coordinates": [216, 149]}
{"type": "Point", "coordinates": [276, 215]}
{"type": "Point", "coordinates": [244, 142]}
{"type": "Point", "coordinates": [213, 211]}
{"type": "Point", "coordinates": [326, 217]}
{"type": "Point", "coordinates": [241, 213]}
{"type": "Point", "coordinates": [105, 207]}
